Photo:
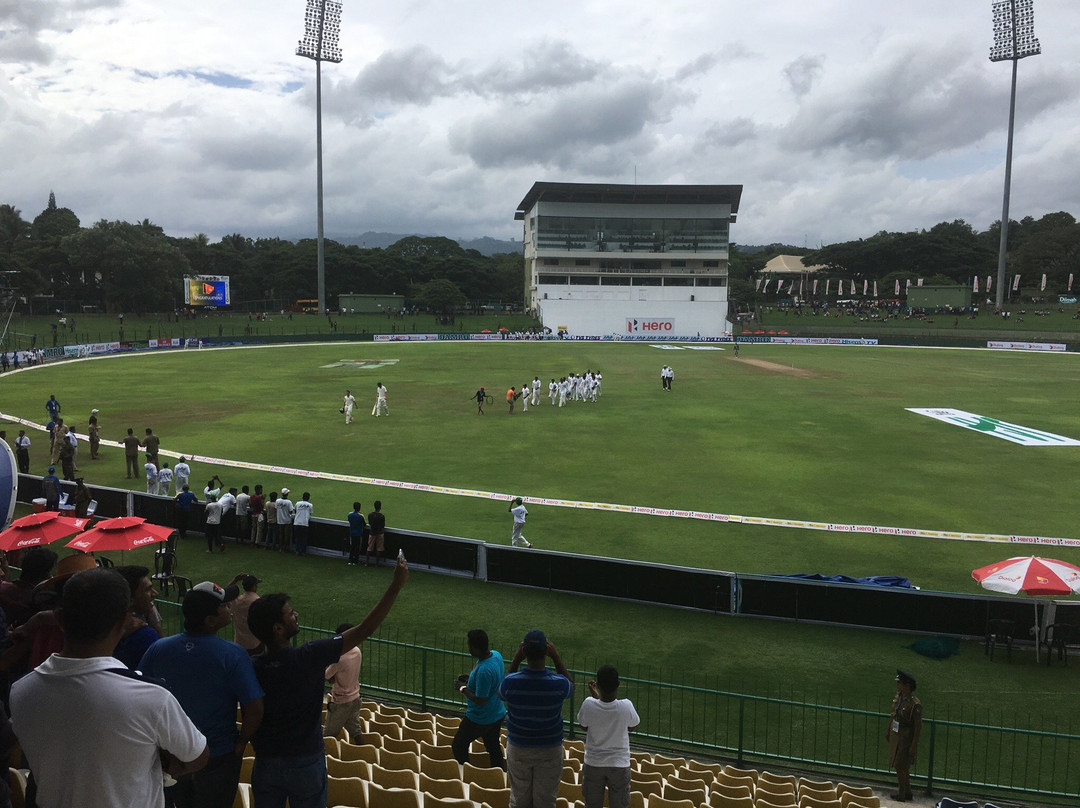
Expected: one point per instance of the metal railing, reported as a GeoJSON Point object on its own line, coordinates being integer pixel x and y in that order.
{"type": "Point", "coordinates": [990, 755]}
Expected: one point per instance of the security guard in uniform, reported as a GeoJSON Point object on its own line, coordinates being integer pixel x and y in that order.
{"type": "Point", "coordinates": [905, 724]}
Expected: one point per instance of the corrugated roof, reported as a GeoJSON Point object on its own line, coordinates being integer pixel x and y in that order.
{"type": "Point", "coordinates": [631, 195]}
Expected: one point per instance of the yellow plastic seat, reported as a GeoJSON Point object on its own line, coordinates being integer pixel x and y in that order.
{"type": "Point", "coordinates": [401, 745]}
{"type": "Point", "coordinates": [494, 797]}
{"type": "Point", "coordinates": [446, 789]}
{"type": "Point", "coordinates": [243, 798]}
{"type": "Point", "coordinates": [442, 768]}
{"type": "Point", "coordinates": [487, 777]}
{"type": "Point", "coordinates": [399, 760]}
{"type": "Point", "coordinates": [719, 798]}
{"type": "Point", "coordinates": [695, 775]}
{"type": "Point", "coordinates": [384, 728]}
{"type": "Point", "coordinates": [437, 751]}
{"type": "Point", "coordinates": [379, 797]}
{"type": "Point", "coordinates": [394, 778]}
{"type": "Point", "coordinates": [660, 802]}
{"type": "Point", "coordinates": [352, 751]}
{"type": "Point", "coordinates": [666, 769]}
{"type": "Point", "coordinates": [809, 799]}
{"type": "Point", "coordinates": [351, 791]}
{"type": "Point", "coordinates": [571, 791]}
{"type": "Point", "coordinates": [247, 764]}
{"type": "Point", "coordinates": [676, 794]}
{"type": "Point", "coordinates": [779, 780]}
{"type": "Point", "coordinates": [348, 768]}
{"type": "Point", "coordinates": [431, 801]}
{"type": "Point", "coordinates": [736, 772]}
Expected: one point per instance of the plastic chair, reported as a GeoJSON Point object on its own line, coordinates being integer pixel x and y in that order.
{"type": "Point", "coordinates": [348, 768]}
{"type": "Point", "coordinates": [392, 711]}
{"type": "Point", "coordinates": [393, 797]}
{"type": "Point", "coordinates": [777, 799]}
{"type": "Point", "coordinates": [721, 799]}
{"type": "Point", "coordinates": [417, 734]}
{"type": "Point", "coordinates": [487, 777]}
{"type": "Point", "coordinates": [999, 631]}
{"type": "Point", "coordinates": [694, 775]}
{"type": "Point", "coordinates": [735, 772]}
{"type": "Point", "coordinates": [441, 769]}
{"type": "Point", "coordinates": [809, 799]}
{"type": "Point", "coordinates": [401, 745]}
{"type": "Point", "coordinates": [779, 780]}
{"type": "Point", "coordinates": [646, 788]}
{"type": "Point", "coordinates": [437, 751]}
{"type": "Point", "coordinates": [385, 728]}
{"type": "Point", "coordinates": [17, 778]}
{"type": "Point", "coordinates": [637, 800]}
{"type": "Point", "coordinates": [399, 760]}
{"type": "Point", "coordinates": [698, 766]}
{"type": "Point", "coordinates": [1059, 636]}
{"type": "Point", "coordinates": [660, 802]}
{"type": "Point", "coordinates": [677, 761]}
{"type": "Point", "coordinates": [247, 764]}
{"type": "Point", "coordinates": [666, 769]}
{"type": "Point", "coordinates": [569, 775]}
{"type": "Point", "coordinates": [819, 789]}
{"type": "Point", "coordinates": [243, 798]}
{"type": "Point", "coordinates": [331, 746]}
{"type": "Point", "coordinates": [431, 801]}
{"type": "Point", "coordinates": [726, 778]}
{"type": "Point", "coordinates": [164, 569]}
{"type": "Point", "coordinates": [446, 789]}
{"type": "Point", "coordinates": [394, 778]}
{"type": "Point", "coordinates": [351, 791]}
{"type": "Point", "coordinates": [353, 751]}
{"type": "Point", "coordinates": [860, 791]}
{"type": "Point", "coordinates": [676, 794]}
{"type": "Point", "coordinates": [494, 797]}
{"type": "Point", "coordinates": [571, 791]}
{"type": "Point", "coordinates": [855, 801]}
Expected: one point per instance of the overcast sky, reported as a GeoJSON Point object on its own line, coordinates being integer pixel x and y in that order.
{"type": "Point", "coordinates": [840, 118]}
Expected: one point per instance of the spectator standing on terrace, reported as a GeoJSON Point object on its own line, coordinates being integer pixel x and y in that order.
{"type": "Point", "coordinates": [484, 710]}
{"type": "Point", "coordinates": [164, 480]}
{"type": "Point", "coordinates": [211, 488]}
{"type": "Point", "coordinates": [534, 745]}
{"type": "Point", "coordinates": [905, 725]}
{"type": "Point", "coordinates": [258, 517]}
{"type": "Point", "coordinates": [209, 676]}
{"type": "Point", "coordinates": [243, 514]}
{"type": "Point", "coordinates": [228, 512]}
{"type": "Point", "coordinates": [271, 522]}
{"type": "Point", "coordinates": [290, 756]}
{"type": "Point", "coordinates": [150, 467]}
{"type": "Point", "coordinates": [377, 536]}
{"type": "Point", "coordinates": [184, 500]}
{"type": "Point", "coordinates": [95, 434]}
{"type": "Point", "coordinates": [138, 634]}
{"type": "Point", "coordinates": [242, 635]}
{"type": "Point", "coordinates": [128, 728]}
{"type": "Point", "coordinates": [357, 529]}
{"type": "Point", "coordinates": [343, 711]}
{"type": "Point", "coordinates": [302, 523]}
{"type": "Point", "coordinates": [212, 514]}
{"type": "Point", "coordinates": [285, 513]}
{"type": "Point", "coordinates": [608, 722]}
{"type": "Point", "coordinates": [152, 443]}
{"type": "Point", "coordinates": [50, 489]}
{"type": "Point", "coordinates": [182, 472]}
{"type": "Point", "coordinates": [131, 454]}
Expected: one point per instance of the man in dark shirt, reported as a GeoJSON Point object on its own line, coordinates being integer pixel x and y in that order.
{"type": "Point", "coordinates": [16, 596]}
{"type": "Point", "coordinates": [290, 757]}
{"type": "Point", "coordinates": [131, 454]}
{"type": "Point", "coordinates": [152, 443]}
{"type": "Point", "coordinates": [357, 528]}
{"type": "Point", "coordinates": [376, 536]}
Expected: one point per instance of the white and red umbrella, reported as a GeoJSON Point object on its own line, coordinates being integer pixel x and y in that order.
{"type": "Point", "coordinates": [121, 533]}
{"type": "Point", "coordinates": [40, 528]}
{"type": "Point", "coordinates": [1030, 575]}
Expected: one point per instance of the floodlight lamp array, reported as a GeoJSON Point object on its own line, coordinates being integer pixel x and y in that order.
{"type": "Point", "coordinates": [322, 17]}
{"type": "Point", "coordinates": [1014, 30]}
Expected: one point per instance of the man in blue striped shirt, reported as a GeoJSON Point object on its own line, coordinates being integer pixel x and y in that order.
{"type": "Point", "coordinates": [534, 725]}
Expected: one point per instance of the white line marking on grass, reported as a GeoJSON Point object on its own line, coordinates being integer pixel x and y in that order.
{"type": "Point", "coordinates": [835, 527]}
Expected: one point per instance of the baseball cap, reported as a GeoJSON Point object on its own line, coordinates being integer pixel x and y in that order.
{"type": "Point", "coordinates": [93, 412]}
{"type": "Point", "coordinates": [284, 492]}
{"type": "Point", "coordinates": [204, 600]}
{"type": "Point", "coordinates": [535, 642]}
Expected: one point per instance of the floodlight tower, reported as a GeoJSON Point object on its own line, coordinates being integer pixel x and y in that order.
{"type": "Point", "coordinates": [322, 24]}
{"type": "Point", "coordinates": [1014, 38]}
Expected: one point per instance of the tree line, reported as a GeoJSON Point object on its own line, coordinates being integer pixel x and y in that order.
{"type": "Point", "coordinates": [948, 253]}
{"type": "Point", "coordinates": [135, 267]}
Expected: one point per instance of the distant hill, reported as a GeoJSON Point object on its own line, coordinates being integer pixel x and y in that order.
{"type": "Point", "coordinates": [484, 246]}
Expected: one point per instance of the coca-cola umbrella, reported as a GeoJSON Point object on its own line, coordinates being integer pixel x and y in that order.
{"type": "Point", "coordinates": [1030, 575]}
{"type": "Point", "coordinates": [121, 533]}
{"type": "Point", "coordinates": [40, 528]}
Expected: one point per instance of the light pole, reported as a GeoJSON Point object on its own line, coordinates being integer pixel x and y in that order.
{"type": "Point", "coordinates": [322, 24]}
{"type": "Point", "coordinates": [1014, 38]}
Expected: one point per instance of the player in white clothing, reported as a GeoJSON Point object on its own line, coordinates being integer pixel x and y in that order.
{"type": "Point", "coordinates": [553, 390]}
{"type": "Point", "coordinates": [164, 480]}
{"type": "Point", "coordinates": [380, 407]}
{"type": "Point", "coordinates": [347, 407]}
{"type": "Point", "coordinates": [536, 390]}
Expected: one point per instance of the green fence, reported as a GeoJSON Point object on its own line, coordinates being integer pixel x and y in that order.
{"type": "Point", "coordinates": [991, 755]}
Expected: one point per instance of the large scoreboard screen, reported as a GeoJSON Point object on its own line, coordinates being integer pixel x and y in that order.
{"type": "Point", "coordinates": [206, 290]}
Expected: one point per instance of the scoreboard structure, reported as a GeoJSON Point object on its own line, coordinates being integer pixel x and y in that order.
{"type": "Point", "coordinates": [206, 290]}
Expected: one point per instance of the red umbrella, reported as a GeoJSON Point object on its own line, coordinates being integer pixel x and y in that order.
{"type": "Point", "coordinates": [1031, 576]}
{"type": "Point", "coordinates": [121, 533]}
{"type": "Point", "coordinates": [40, 528]}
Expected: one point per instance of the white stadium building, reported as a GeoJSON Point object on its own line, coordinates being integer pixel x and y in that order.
{"type": "Point", "coordinates": [629, 259]}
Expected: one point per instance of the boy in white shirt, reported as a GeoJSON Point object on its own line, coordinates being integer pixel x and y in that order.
{"type": "Point", "coordinates": [608, 722]}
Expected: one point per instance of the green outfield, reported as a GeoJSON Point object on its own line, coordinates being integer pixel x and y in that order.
{"type": "Point", "coordinates": [787, 432]}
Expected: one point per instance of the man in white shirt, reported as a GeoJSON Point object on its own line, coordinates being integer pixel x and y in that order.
{"type": "Point", "coordinates": [284, 520]}
{"type": "Point", "coordinates": [164, 480]}
{"type": "Point", "coordinates": [212, 512]}
{"type": "Point", "coordinates": [380, 407]}
{"type": "Point", "coordinates": [22, 452]}
{"type": "Point", "coordinates": [181, 471]}
{"type": "Point", "coordinates": [519, 512]}
{"type": "Point", "coordinates": [243, 514]}
{"type": "Point", "coordinates": [301, 521]}
{"type": "Point", "coordinates": [126, 725]}
{"type": "Point", "coordinates": [535, 390]}
{"type": "Point", "coordinates": [608, 722]}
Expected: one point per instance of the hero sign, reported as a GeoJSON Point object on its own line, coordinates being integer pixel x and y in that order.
{"type": "Point", "coordinates": [652, 325]}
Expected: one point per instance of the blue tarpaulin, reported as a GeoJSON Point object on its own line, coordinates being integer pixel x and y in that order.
{"type": "Point", "coordinates": [874, 580]}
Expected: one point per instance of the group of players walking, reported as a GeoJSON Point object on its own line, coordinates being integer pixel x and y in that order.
{"type": "Point", "coordinates": [585, 386]}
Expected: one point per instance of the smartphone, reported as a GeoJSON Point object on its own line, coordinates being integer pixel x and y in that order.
{"type": "Point", "coordinates": [401, 554]}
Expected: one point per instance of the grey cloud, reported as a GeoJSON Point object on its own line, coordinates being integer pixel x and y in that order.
{"type": "Point", "coordinates": [557, 131]}
{"type": "Point", "coordinates": [803, 72]}
{"type": "Point", "coordinates": [914, 106]}
{"type": "Point", "coordinates": [414, 76]}
{"type": "Point", "coordinates": [551, 65]}
{"type": "Point", "coordinates": [731, 52]}
{"type": "Point", "coordinates": [22, 21]}
{"type": "Point", "coordinates": [729, 134]}
{"type": "Point", "coordinates": [22, 48]}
